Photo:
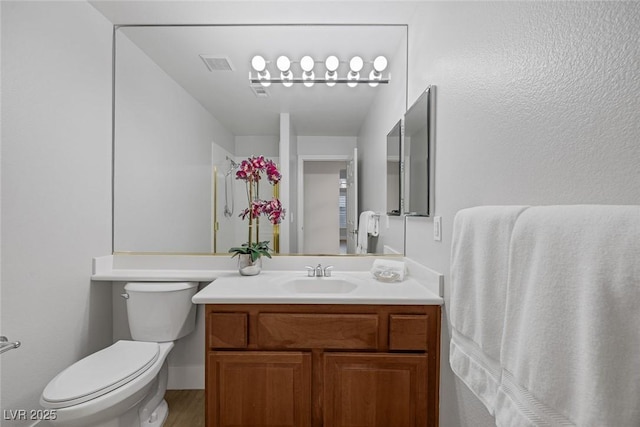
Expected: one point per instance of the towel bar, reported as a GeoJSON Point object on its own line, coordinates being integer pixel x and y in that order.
{"type": "Point", "coordinates": [5, 345]}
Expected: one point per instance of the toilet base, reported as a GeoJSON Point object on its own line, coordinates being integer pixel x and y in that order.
{"type": "Point", "coordinates": [158, 416]}
{"type": "Point", "coordinates": [131, 418]}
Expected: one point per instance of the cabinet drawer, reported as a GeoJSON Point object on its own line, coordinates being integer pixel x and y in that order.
{"type": "Point", "coordinates": [408, 332]}
{"type": "Point", "coordinates": [227, 330]}
{"type": "Point", "coordinates": [326, 331]}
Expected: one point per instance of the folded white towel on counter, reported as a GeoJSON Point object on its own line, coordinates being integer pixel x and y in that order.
{"type": "Point", "coordinates": [570, 344]}
{"type": "Point", "coordinates": [479, 270]}
{"type": "Point", "coordinates": [389, 270]}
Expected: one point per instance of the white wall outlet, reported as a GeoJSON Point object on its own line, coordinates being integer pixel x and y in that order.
{"type": "Point", "coordinates": [437, 228]}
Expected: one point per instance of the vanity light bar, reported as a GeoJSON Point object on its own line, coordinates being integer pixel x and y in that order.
{"type": "Point", "coordinates": [254, 80]}
{"type": "Point", "coordinates": [329, 76]}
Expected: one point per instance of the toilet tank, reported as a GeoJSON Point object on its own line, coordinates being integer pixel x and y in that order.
{"type": "Point", "coordinates": [160, 311]}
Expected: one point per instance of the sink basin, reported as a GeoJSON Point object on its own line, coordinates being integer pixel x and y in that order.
{"type": "Point", "coordinates": [318, 285]}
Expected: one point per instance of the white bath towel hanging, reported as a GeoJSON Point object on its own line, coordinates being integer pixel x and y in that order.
{"type": "Point", "coordinates": [373, 225]}
{"type": "Point", "coordinates": [364, 221]}
{"type": "Point", "coordinates": [479, 269]}
{"type": "Point", "coordinates": [571, 337]}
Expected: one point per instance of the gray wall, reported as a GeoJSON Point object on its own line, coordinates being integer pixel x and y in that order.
{"type": "Point", "coordinates": [56, 191]}
{"type": "Point", "coordinates": [537, 103]}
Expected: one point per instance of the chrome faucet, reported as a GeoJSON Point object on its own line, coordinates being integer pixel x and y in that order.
{"type": "Point", "coordinates": [318, 271]}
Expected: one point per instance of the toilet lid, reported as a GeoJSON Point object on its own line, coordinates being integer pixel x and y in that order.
{"type": "Point", "coordinates": [100, 373]}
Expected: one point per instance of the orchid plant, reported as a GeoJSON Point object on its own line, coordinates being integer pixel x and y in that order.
{"type": "Point", "coordinates": [251, 172]}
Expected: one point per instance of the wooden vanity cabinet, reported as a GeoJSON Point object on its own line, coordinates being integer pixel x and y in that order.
{"type": "Point", "coordinates": [322, 365]}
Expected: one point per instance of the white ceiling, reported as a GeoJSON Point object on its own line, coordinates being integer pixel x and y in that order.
{"type": "Point", "coordinates": [139, 12]}
{"type": "Point", "coordinates": [320, 110]}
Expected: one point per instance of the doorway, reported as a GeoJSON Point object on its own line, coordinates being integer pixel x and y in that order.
{"type": "Point", "coordinates": [324, 207]}
{"type": "Point", "coordinates": [327, 203]}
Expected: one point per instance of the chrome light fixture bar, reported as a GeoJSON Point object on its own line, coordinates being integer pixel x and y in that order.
{"type": "Point", "coordinates": [307, 76]}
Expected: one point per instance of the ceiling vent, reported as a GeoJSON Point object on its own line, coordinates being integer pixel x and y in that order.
{"type": "Point", "coordinates": [259, 90]}
{"type": "Point", "coordinates": [217, 63]}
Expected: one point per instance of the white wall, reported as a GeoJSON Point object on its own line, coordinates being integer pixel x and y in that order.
{"type": "Point", "coordinates": [331, 145]}
{"type": "Point", "coordinates": [537, 103]}
{"type": "Point", "coordinates": [247, 146]}
{"type": "Point", "coordinates": [163, 159]}
{"type": "Point", "coordinates": [56, 191]}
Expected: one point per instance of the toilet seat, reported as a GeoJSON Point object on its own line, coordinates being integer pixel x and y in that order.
{"type": "Point", "coordinates": [100, 373]}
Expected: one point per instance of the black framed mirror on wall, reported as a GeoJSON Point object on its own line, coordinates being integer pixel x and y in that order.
{"type": "Point", "coordinates": [418, 156]}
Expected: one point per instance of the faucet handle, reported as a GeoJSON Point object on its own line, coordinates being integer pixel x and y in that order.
{"type": "Point", "coordinates": [327, 270]}
{"type": "Point", "coordinates": [311, 271]}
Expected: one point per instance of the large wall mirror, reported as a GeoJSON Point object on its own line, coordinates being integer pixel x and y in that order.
{"type": "Point", "coordinates": [418, 155]}
{"type": "Point", "coordinates": [186, 113]}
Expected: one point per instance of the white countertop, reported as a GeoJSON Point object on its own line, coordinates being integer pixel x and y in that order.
{"type": "Point", "coordinates": [422, 285]}
{"type": "Point", "coordinates": [160, 275]}
{"type": "Point", "coordinates": [267, 288]}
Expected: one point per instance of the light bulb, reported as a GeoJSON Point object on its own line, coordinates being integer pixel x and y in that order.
{"type": "Point", "coordinates": [258, 63]}
{"type": "Point", "coordinates": [356, 64]}
{"type": "Point", "coordinates": [380, 64]}
{"type": "Point", "coordinates": [332, 63]}
{"type": "Point", "coordinates": [307, 63]}
{"type": "Point", "coordinates": [264, 77]}
{"type": "Point", "coordinates": [283, 63]}
{"type": "Point", "coordinates": [286, 76]}
{"type": "Point", "coordinates": [308, 76]}
{"type": "Point", "coordinates": [374, 75]}
{"type": "Point", "coordinates": [331, 76]}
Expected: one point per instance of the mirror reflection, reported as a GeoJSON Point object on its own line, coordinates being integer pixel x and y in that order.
{"type": "Point", "coordinates": [188, 110]}
{"type": "Point", "coordinates": [417, 153]}
{"type": "Point", "coordinates": [394, 183]}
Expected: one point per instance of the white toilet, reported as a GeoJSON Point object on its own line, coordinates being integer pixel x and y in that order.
{"type": "Point", "coordinates": [123, 385]}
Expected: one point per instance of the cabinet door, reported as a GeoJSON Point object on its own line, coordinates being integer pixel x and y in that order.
{"type": "Point", "coordinates": [375, 390]}
{"type": "Point", "coordinates": [259, 389]}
